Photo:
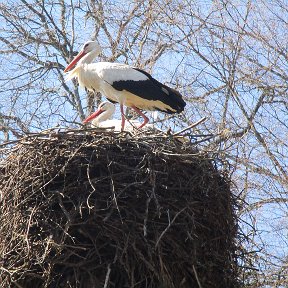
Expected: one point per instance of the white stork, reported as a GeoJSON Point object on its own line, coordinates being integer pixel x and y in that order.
{"type": "Point", "coordinates": [124, 84]}
{"type": "Point", "coordinates": [102, 119]}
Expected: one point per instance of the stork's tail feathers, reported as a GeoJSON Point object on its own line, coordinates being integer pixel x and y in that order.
{"type": "Point", "coordinates": [178, 101]}
{"type": "Point", "coordinates": [174, 100]}
{"type": "Point", "coordinates": [169, 96]}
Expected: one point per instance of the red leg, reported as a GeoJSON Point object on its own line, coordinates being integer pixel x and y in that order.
{"type": "Point", "coordinates": [122, 117]}
{"type": "Point", "coordinates": [146, 120]}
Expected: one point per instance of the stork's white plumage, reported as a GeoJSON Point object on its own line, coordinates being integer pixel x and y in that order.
{"type": "Point", "coordinates": [124, 84]}
{"type": "Point", "coordinates": [102, 119]}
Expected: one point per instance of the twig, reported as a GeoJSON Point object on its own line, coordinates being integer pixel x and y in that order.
{"type": "Point", "coordinates": [107, 276]}
{"type": "Point", "coordinates": [112, 187]}
{"type": "Point", "coordinates": [190, 126]}
{"type": "Point", "coordinates": [196, 276]}
{"type": "Point", "coordinates": [28, 228]}
{"type": "Point", "coordinates": [203, 140]}
{"type": "Point", "coordinates": [10, 142]}
{"type": "Point", "coordinates": [91, 184]}
{"type": "Point", "coordinates": [169, 225]}
{"type": "Point", "coordinates": [66, 213]}
{"type": "Point", "coordinates": [146, 216]}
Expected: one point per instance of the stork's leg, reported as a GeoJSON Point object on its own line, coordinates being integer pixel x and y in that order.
{"type": "Point", "coordinates": [122, 117]}
{"type": "Point", "coordinates": [146, 119]}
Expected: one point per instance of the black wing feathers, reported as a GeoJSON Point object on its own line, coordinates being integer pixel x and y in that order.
{"type": "Point", "coordinates": [153, 90]}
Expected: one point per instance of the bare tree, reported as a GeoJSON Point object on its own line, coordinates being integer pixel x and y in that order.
{"type": "Point", "coordinates": [239, 51]}
{"type": "Point", "coordinates": [229, 60]}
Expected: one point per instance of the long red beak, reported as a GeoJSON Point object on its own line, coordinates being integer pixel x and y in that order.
{"type": "Point", "coordinates": [92, 116]}
{"type": "Point", "coordinates": [75, 61]}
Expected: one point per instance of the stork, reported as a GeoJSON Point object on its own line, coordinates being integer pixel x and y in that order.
{"type": "Point", "coordinates": [124, 84]}
{"type": "Point", "coordinates": [102, 119]}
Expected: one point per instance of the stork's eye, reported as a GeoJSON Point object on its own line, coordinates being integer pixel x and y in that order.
{"type": "Point", "coordinates": [86, 45]}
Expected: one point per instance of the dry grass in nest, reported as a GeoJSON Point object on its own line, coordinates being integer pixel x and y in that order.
{"type": "Point", "coordinates": [110, 210]}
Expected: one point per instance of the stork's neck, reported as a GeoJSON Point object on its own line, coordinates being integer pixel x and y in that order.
{"type": "Point", "coordinates": [88, 58]}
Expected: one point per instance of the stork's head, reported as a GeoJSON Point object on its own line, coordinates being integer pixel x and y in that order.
{"type": "Point", "coordinates": [90, 46]}
{"type": "Point", "coordinates": [104, 112]}
{"type": "Point", "coordinates": [89, 51]}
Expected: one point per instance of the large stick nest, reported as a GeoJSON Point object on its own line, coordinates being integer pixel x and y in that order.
{"type": "Point", "coordinates": [107, 210]}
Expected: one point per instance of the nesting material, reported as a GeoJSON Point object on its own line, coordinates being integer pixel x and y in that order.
{"type": "Point", "coordinates": [110, 210]}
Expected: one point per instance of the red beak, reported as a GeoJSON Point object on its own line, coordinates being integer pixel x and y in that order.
{"type": "Point", "coordinates": [92, 116]}
{"type": "Point", "coordinates": [75, 61]}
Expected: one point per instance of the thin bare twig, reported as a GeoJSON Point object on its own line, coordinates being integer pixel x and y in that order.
{"type": "Point", "coordinates": [191, 126]}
